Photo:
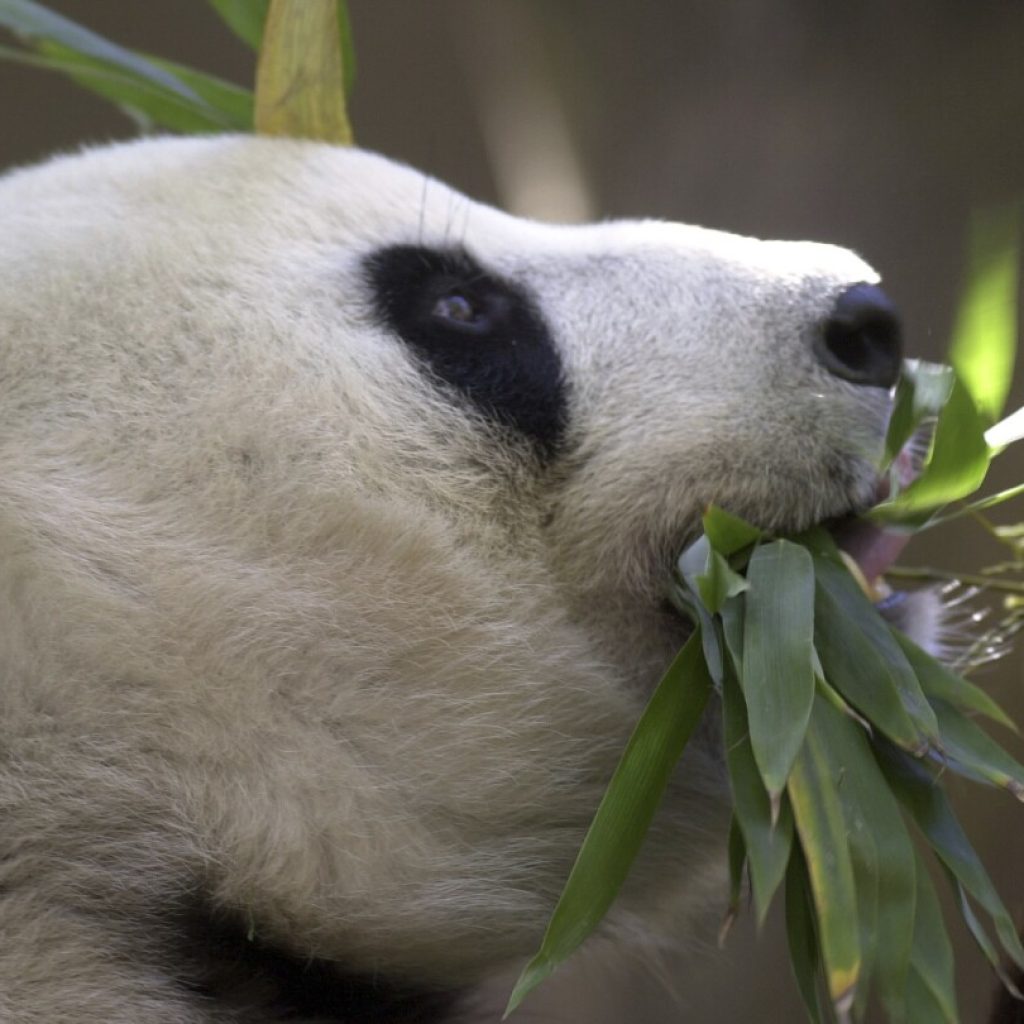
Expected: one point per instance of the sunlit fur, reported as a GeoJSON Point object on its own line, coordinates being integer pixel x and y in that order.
{"type": "Point", "coordinates": [285, 626]}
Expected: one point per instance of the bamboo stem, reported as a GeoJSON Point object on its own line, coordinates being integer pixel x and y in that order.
{"type": "Point", "coordinates": [976, 580]}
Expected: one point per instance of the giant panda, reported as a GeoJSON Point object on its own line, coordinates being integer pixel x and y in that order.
{"type": "Point", "coordinates": [336, 517]}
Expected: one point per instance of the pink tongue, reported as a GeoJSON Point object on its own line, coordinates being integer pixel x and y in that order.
{"type": "Point", "coordinates": [874, 550]}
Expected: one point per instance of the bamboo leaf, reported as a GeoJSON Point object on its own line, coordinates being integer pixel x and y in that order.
{"type": "Point", "coordinates": [970, 746]}
{"type": "Point", "coordinates": [857, 653]}
{"type": "Point", "coordinates": [956, 466]}
{"type": "Point", "coordinates": [802, 936]}
{"type": "Point", "coordinates": [35, 23]}
{"type": "Point", "coordinates": [833, 577]}
{"type": "Point", "coordinates": [767, 842]}
{"type": "Point", "coordinates": [981, 504]}
{"type": "Point", "coordinates": [985, 336]}
{"type": "Point", "coordinates": [818, 815]}
{"type": "Point", "coordinates": [348, 50]}
{"type": "Point", "coordinates": [694, 560]}
{"type": "Point", "coordinates": [692, 566]}
{"type": "Point", "coordinates": [834, 698]}
{"type": "Point", "coordinates": [733, 615]}
{"type": "Point", "coordinates": [931, 993]}
{"type": "Point", "coordinates": [982, 938]}
{"type": "Point", "coordinates": [881, 854]}
{"type": "Point", "coordinates": [718, 582]}
{"type": "Point", "coordinates": [231, 101]}
{"type": "Point", "coordinates": [997, 499]}
{"type": "Point", "coordinates": [921, 392]}
{"type": "Point", "coordinates": [140, 97]}
{"type": "Point", "coordinates": [711, 644]}
{"type": "Point", "coordinates": [728, 533]}
{"type": "Point", "coordinates": [300, 88]}
{"type": "Point", "coordinates": [930, 809]}
{"type": "Point", "coordinates": [778, 644]}
{"type": "Point", "coordinates": [737, 864]}
{"type": "Point", "coordinates": [244, 17]}
{"type": "Point", "coordinates": [624, 814]}
{"type": "Point", "coordinates": [940, 683]}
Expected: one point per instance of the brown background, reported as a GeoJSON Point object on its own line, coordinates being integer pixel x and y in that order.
{"type": "Point", "coordinates": [876, 125]}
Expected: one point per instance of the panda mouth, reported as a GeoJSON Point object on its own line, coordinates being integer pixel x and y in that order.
{"type": "Point", "coordinates": [869, 552]}
{"type": "Point", "coordinates": [869, 549]}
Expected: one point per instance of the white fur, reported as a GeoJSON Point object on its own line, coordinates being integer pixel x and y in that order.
{"type": "Point", "coordinates": [282, 622]}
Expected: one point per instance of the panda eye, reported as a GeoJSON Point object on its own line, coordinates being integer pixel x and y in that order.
{"type": "Point", "coordinates": [458, 310]}
{"type": "Point", "coordinates": [475, 333]}
{"type": "Point", "coordinates": [478, 310]}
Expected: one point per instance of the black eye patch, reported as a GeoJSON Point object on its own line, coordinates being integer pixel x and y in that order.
{"type": "Point", "coordinates": [477, 333]}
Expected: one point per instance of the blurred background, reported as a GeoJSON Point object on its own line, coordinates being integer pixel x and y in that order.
{"type": "Point", "coordinates": [874, 125]}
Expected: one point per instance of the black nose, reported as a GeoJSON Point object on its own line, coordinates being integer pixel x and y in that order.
{"type": "Point", "coordinates": [861, 340]}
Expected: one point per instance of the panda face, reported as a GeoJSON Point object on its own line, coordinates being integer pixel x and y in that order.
{"type": "Point", "coordinates": [654, 368]}
{"type": "Point", "coordinates": [335, 517]}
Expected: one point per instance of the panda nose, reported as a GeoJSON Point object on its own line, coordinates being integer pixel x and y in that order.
{"type": "Point", "coordinates": [861, 340]}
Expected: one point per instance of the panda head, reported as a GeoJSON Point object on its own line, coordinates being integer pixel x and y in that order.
{"type": "Point", "coordinates": [621, 377]}
{"type": "Point", "coordinates": [336, 513]}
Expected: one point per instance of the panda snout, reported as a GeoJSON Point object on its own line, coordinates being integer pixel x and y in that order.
{"type": "Point", "coordinates": [861, 340]}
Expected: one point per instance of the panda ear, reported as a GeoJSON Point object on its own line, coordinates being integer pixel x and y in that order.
{"type": "Point", "coordinates": [477, 334]}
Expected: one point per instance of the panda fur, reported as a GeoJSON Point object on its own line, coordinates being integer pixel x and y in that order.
{"type": "Point", "coordinates": [336, 513]}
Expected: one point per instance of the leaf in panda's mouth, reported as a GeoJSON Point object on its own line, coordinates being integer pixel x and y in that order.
{"type": "Point", "coordinates": [838, 728]}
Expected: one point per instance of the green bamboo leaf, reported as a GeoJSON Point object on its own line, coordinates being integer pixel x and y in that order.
{"type": "Point", "coordinates": [768, 844]}
{"type": "Point", "coordinates": [881, 854]}
{"type": "Point", "coordinates": [348, 49]}
{"type": "Point", "coordinates": [997, 499]}
{"type": "Point", "coordinates": [244, 17]}
{"type": "Point", "coordinates": [712, 646]}
{"type": "Point", "coordinates": [818, 815]}
{"type": "Point", "coordinates": [834, 698]}
{"type": "Point", "coordinates": [956, 466]}
{"type": "Point", "coordinates": [982, 938]}
{"type": "Point", "coordinates": [863, 662]}
{"type": "Point", "coordinates": [231, 101]}
{"type": "Point", "coordinates": [35, 23]}
{"type": "Point", "coordinates": [921, 795]}
{"type": "Point", "coordinates": [733, 616]}
{"type": "Point", "coordinates": [859, 624]}
{"type": "Point", "coordinates": [624, 815]}
{"type": "Point", "coordinates": [968, 745]}
{"type": "Point", "coordinates": [834, 578]}
{"type": "Point", "coordinates": [921, 1002]}
{"type": "Point", "coordinates": [143, 100]}
{"type": "Point", "coordinates": [931, 993]}
{"type": "Point", "coordinates": [778, 638]}
{"type": "Point", "coordinates": [802, 936]}
{"type": "Point", "coordinates": [985, 337]}
{"type": "Point", "coordinates": [230, 109]}
{"type": "Point", "coordinates": [981, 504]}
{"type": "Point", "coordinates": [718, 582]}
{"type": "Point", "coordinates": [940, 683]}
{"type": "Point", "coordinates": [737, 865]}
{"type": "Point", "coordinates": [728, 533]}
{"type": "Point", "coordinates": [300, 90]}
{"type": "Point", "coordinates": [692, 566]}
{"type": "Point", "coordinates": [921, 392]}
